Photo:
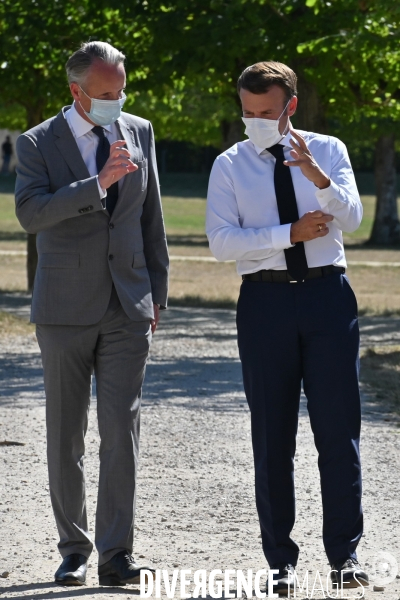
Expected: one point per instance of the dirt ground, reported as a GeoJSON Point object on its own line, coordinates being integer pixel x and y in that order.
{"type": "Point", "coordinates": [196, 506]}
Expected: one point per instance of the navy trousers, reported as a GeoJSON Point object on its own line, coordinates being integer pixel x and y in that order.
{"type": "Point", "coordinates": [289, 333]}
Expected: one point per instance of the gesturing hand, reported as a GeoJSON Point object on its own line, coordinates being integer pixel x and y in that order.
{"type": "Point", "coordinates": [305, 160]}
{"type": "Point", "coordinates": [117, 165]}
{"type": "Point", "coordinates": [311, 225]}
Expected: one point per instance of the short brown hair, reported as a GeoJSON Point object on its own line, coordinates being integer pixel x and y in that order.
{"type": "Point", "coordinates": [258, 78]}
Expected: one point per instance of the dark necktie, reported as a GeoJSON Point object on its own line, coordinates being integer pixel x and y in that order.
{"type": "Point", "coordinates": [102, 155]}
{"type": "Point", "coordinates": [296, 261]}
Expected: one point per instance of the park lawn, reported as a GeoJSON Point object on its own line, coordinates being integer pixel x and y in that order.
{"type": "Point", "coordinates": [217, 284]}
{"type": "Point", "coordinates": [196, 283]}
{"type": "Point", "coordinates": [185, 215]}
{"type": "Point", "coordinates": [207, 283]}
{"type": "Point", "coordinates": [182, 220]}
{"type": "Point", "coordinates": [8, 220]}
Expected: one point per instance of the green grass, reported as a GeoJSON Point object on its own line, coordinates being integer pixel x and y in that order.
{"type": "Point", "coordinates": [184, 205]}
{"type": "Point", "coordinates": [13, 325]}
{"type": "Point", "coordinates": [364, 231]}
{"type": "Point", "coordinates": [7, 183]}
{"type": "Point", "coordinates": [8, 220]}
{"type": "Point", "coordinates": [184, 216]}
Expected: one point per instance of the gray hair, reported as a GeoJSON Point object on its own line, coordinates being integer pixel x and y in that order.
{"type": "Point", "coordinates": [79, 63]}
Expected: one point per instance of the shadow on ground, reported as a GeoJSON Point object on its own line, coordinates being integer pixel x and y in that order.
{"type": "Point", "coordinates": [54, 591]}
{"type": "Point", "coordinates": [194, 364]}
{"type": "Point", "coordinates": [51, 590]}
{"type": "Point", "coordinates": [187, 240]}
{"type": "Point", "coordinates": [13, 236]}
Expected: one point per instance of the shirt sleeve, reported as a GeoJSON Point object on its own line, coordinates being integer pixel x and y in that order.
{"type": "Point", "coordinates": [228, 239]}
{"type": "Point", "coordinates": [102, 193]}
{"type": "Point", "coordinates": [341, 199]}
{"type": "Point", "coordinates": [38, 208]}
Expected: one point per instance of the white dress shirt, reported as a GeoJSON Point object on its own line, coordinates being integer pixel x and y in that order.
{"type": "Point", "coordinates": [88, 141]}
{"type": "Point", "coordinates": [242, 220]}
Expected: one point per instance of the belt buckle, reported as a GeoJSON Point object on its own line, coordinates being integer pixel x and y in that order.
{"type": "Point", "coordinates": [295, 281]}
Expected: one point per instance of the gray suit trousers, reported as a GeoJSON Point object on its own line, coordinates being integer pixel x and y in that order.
{"type": "Point", "coordinates": [116, 349]}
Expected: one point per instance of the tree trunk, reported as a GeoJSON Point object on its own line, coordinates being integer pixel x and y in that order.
{"type": "Point", "coordinates": [34, 116]}
{"type": "Point", "coordinates": [386, 227]}
{"type": "Point", "coordinates": [232, 132]}
{"type": "Point", "coordinates": [310, 113]}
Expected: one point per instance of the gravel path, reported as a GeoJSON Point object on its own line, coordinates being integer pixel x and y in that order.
{"type": "Point", "coordinates": [196, 505]}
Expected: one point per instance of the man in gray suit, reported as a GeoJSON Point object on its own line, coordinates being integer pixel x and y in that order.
{"type": "Point", "coordinates": [87, 185]}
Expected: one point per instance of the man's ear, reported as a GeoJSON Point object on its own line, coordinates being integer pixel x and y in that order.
{"type": "Point", "coordinates": [291, 109]}
{"type": "Point", "coordinates": [75, 89]}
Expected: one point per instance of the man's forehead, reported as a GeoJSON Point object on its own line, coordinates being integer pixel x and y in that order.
{"type": "Point", "coordinates": [270, 99]}
{"type": "Point", "coordinates": [100, 71]}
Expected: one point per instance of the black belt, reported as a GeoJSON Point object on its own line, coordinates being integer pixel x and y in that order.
{"type": "Point", "coordinates": [284, 277]}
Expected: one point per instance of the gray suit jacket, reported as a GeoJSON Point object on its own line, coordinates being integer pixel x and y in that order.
{"type": "Point", "coordinates": [82, 251]}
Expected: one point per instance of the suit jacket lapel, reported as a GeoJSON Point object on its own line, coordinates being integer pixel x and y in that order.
{"type": "Point", "coordinates": [68, 147]}
{"type": "Point", "coordinates": [128, 136]}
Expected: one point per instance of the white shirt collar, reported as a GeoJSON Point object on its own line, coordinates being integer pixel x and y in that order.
{"type": "Point", "coordinates": [79, 125]}
{"type": "Point", "coordinates": [284, 142]}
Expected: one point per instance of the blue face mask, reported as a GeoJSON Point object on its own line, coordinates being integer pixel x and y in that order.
{"type": "Point", "coordinates": [104, 112]}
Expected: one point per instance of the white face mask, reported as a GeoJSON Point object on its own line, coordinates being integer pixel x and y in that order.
{"type": "Point", "coordinates": [264, 133]}
{"type": "Point", "coordinates": [104, 112]}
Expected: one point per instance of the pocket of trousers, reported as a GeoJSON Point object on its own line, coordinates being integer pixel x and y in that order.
{"type": "Point", "coordinates": [353, 299]}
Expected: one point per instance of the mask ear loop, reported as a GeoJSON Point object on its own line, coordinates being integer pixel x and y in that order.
{"type": "Point", "coordinates": [87, 113]}
{"type": "Point", "coordinates": [91, 99]}
{"type": "Point", "coordinates": [286, 130]}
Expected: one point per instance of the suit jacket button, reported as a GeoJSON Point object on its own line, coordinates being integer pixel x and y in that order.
{"type": "Point", "coordinates": [110, 256]}
{"type": "Point", "coordinates": [80, 210]}
{"type": "Point", "coordinates": [111, 225]}
{"type": "Point", "coordinates": [90, 207]}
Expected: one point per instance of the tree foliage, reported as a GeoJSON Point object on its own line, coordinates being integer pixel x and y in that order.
{"type": "Point", "coordinates": [37, 37]}
{"type": "Point", "coordinates": [347, 49]}
{"type": "Point", "coordinates": [184, 57]}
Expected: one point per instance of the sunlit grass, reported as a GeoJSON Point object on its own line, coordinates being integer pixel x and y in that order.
{"type": "Point", "coordinates": [8, 220]}
{"type": "Point", "coordinates": [185, 215]}
{"type": "Point", "coordinates": [216, 284]}
{"type": "Point", "coordinates": [12, 325]}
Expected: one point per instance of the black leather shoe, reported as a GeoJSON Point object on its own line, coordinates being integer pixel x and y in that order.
{"type": "Point", "coordinates": [120, 570]}
{"type": "Point", "coordinates": [349, 574]}
{"type": "Point", "coordinates": [72, 570]}
{"type": "Point", "coordinates": [284, 581]}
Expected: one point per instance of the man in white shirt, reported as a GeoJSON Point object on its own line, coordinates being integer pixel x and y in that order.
{"type": "Point", "coordinates": [87, 185]}
{"type": "Point", "coordinates": [277, 204]}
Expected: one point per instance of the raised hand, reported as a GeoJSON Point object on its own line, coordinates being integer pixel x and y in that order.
{"type": "Point", "coordinates": [117, 165]}
{"type": "Point", "coordinates": [303, 158]}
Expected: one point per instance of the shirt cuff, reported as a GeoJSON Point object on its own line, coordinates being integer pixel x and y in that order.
{"type": "Point", "coordinates": [103, 193]}
{"type": "Point", "coordinates": [326, 195]}
{"type": "Point", "coordinates": [280, 237]}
